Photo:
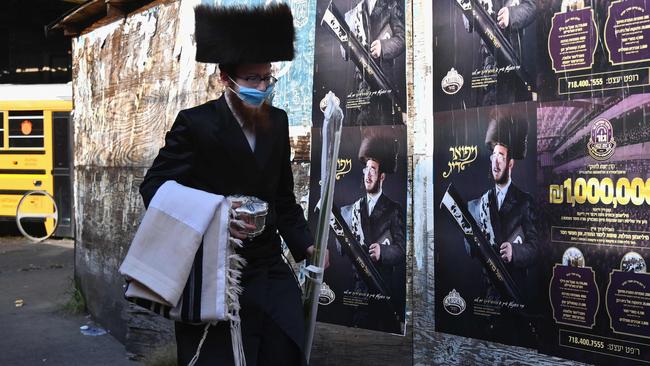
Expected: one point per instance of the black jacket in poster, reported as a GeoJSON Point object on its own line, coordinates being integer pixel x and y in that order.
{"type": "Point", "coordinates": [375, 35]}
{"type": "Point", "coordinates": [513, 222]}
{"type": "Point", "coordinates": [469, 149]}
{"type": "Point", "coordinates": [385, 226]}
{"type": "Point", "coordinates": [469, 70]}
{"type": "Point", "coordinates": [366, 280]}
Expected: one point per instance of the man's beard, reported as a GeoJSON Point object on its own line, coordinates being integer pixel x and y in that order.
{"type": "Point", "coordinates": [374, 188]}
{"type": "Point", "coordinates": [251, 117]}
{"type": "Point", "coordinates": [505, 176]}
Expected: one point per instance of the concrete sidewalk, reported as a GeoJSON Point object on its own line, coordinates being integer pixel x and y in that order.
{"type": "Point", "coordinates": [40, 332]}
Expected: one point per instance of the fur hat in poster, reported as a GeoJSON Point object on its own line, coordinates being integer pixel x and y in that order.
{"type": "Point", "coordinates": [241, 34]}
{"type": "Point", "coordinates": [510, 131]}
{"type": "Point", "coordinates": [381, 148]}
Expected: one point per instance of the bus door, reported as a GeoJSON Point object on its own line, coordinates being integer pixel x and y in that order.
{"type": "Point", "coordinates": [61, 172]}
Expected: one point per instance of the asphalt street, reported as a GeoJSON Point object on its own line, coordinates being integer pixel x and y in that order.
{"type": "Point", "coordinates": [39, 332]}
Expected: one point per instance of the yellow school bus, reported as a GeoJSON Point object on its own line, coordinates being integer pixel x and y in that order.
{"type": "Point", "coordinates": [35, 152]}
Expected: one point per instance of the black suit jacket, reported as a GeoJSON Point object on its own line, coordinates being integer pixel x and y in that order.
{"type": "Point", "coordinates": [385, 226]}
{"type": "Point", "coordinates": [518, 212]}
{"type": "Point", "coordinates": [206, 149]}
{"type": "Point", "coordinates": [385, 223]}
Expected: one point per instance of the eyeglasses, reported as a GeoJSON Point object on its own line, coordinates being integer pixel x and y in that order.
{"type": "Point", "coordinates": [370, 171]}
{"type": "Point", "coordinates": [255, 80]}
{"type": "Point", "coordinates": [498, 157]}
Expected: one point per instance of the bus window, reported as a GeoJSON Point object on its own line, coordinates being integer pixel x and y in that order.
{"type": "Point", "coordinates": [26, 129]}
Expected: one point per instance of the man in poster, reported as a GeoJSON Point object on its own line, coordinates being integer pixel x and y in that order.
{"type": "Point", "coordinates": [512, 17]}
{"type": "Point", "coordinates": [378, 225]}
{"type": "Point", "coordinates": [379, 27]}
{"type": "Point", "coordinates": [506, 214]}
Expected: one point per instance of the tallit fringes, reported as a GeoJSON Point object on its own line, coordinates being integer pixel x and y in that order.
{"type": "Point", "coordinates": [234, 289]}
{"type": "Point", "coordinates": [198, 349]}
{"type": "Point", "coordinates": [237, 344]}
{"type": "Point", "coordinates": [236, 242]}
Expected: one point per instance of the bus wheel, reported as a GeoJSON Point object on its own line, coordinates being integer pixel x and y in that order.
{"type": "Point", "coordinates": [37, 215]}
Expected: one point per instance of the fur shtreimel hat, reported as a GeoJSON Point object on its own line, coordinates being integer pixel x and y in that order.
{"type": "Point", "coordinates": [382, 149]}
{"type": "Point", "coordinates": [240, 34]}
{"type": "Point", "coordinates": [512, 132]}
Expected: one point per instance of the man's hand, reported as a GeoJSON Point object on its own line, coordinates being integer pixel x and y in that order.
{"type": "Point", "coordinates": [375, 49]}
{"type": "Point", "coordinates": [375, 251]}
{"type": "Point", "coordinates": [506, 252]}
{"type": "Point", "coordinates": [503, 17]}
{"type": "Point", "coordinates": [326, 262]}
{"type": "Point", "coordinates": [238, 228]}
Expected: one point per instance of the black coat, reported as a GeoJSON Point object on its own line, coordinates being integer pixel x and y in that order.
{"type": "Point", "coordinates": [509, 87]}
{"type": "Point", "coordinates": [385, 222]}
{"type": "Point", "coordinates": [206, 149]}
{"type": "Point", "coordinates": [518, 212]}
{"type": "Point", "coordinates": [386, 227]}
{"type": "Point", "coordinates": [384, 24]}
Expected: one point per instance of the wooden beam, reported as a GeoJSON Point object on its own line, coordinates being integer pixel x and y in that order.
{"type": "Point", "coordinates": [115, 10]}
{"type": "Point", "coordinates": [70, 30]}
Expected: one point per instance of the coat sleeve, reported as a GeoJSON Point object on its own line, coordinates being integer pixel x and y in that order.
{"type": "Point", "coordinates": [526, 253]}
{"type": "Point", "coordinates": [174, 160]}
{"type": "Point", "coordinates": [291, 219]}
{"type": "Point", "coordinates": [394, 254]}
{"type": "Point", "coordinates": [522, 15]}
{"type": "Point", "coordinates": [395, 45]}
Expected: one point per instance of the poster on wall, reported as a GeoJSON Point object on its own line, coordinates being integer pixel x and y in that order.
{"type": "Point", "coordinates": [542, 187]}
{"type": "Point", "coordinates": [593, 48]}
{"type": "Point", "coordinates": [365, 284]}
{"type": "Point", "coordinates": [594, 173]}
{"type": "Point", "coordinates": [360, 54]}
{"type": "Point", "coordinates": [485, 52]}
{"type": "Point", "coordinates": [487, 269]}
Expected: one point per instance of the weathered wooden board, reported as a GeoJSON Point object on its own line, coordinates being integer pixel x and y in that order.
{"type": "Point", "coordinates": [130, 80]}
{"type": "Point", "coordinates": [108, 209]}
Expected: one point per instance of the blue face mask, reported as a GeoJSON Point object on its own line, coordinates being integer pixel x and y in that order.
{"type": "Point", "coordinates": [253, 96]}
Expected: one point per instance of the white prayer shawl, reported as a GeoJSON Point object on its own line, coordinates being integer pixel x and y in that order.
{"type": "Point", "coordinates": [355, 222]}
{"type": "Point", "coordinates": [166, 255]}
{"type": "Point", "coordinates": [484, 221]}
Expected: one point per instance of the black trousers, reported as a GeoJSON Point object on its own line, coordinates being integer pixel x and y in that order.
{"type": "Point", "coordinates": [265, 344]}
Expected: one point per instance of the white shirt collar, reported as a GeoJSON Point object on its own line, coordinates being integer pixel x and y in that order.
{"type": "Point", "coordinates": [501, 192]}
{"type": "Point", "coordinates": [504, 189]}
{"type": "Point", "coordinates": [372, 200]}
{"type": "Point", "coordinates": [250, 134]}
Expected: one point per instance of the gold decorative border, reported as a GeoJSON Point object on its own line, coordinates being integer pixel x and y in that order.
{"type": "Point", "coordinates": [553, 308]}
{"type": "Point", "coordinates": [593, 52]}
{"type": "Point", "coordinates": [607, 307]}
